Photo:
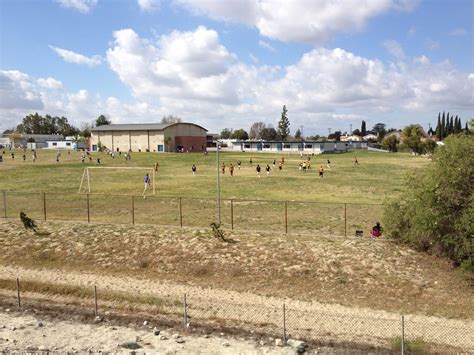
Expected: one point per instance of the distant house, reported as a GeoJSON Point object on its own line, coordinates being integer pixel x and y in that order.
{"type": "Point", "coordinates": [370, 137]}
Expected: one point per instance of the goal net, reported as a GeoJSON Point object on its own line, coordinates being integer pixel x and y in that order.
{"type": "Point", "coordinates": [113, 180]}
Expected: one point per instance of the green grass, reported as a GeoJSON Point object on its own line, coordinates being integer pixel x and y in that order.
{"type": "Point", "coordinates": [313, 204]}
{"type": "Point", "coordinates": [379, 175]}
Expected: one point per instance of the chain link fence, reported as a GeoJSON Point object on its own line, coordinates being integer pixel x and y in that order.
{"type": "Point", "coordinates": [377, 329]}
{"type": "Point", "coordinates": [258, 215]}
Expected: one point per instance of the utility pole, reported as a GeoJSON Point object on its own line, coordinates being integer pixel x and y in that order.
{"type": "Point", "coordinates": [218, 187]}
{"type": "Point", "coordinates": [350, 131]}
{"type": "Point", "coordinates": [329, 132]}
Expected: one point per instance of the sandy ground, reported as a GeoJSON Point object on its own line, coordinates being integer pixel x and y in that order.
{"type": "Point", "coordinates": [305, 319]}
{"type": "Point", "coordinates": [29, 333]}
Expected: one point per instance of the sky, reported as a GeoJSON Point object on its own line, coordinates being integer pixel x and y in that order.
{"type": "Point", "coordinates": [230, 63]}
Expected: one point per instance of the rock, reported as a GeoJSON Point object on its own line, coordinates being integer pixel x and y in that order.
{"type": "Point", "coordinates": [262, 343]}
{"type": "Point", "coordinates": [225, 344]}
{"type": "Point", "coordinates": [278, 342]}
{"type": "Point", "coordinates": [7, 310]}
{"type": "Point", "coordinates": [163, 337]}
{"type": "Point", "coordinates": [40, 324]}
{"type": "Point", "coordinates": [295, 343]}
{"type": "Point", "coordinates": [130, 345]}
{"type": "Point", "coordinates": [205, 336]}
{"type": "Point", "coordinates": [179, 340]}
{"type": "Point", "coordinates": [98, 319]}
{"type": "Point", "coordinates": [156, 332]}
{"type": "Point", "coordinates": [145, 322]}
{"type": "Point", "coordinates": [176, 336]}
{"type": "Point", "coordinates": [13, 328]}
{"type": "Point", "coordinates": [301, 349]}
{"type": "Point", "coordinates": [42, 348]}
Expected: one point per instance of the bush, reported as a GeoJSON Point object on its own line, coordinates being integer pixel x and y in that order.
{"type": "Point", "coordinates": [436, 209]}
{"type": "Point", "coordinates": [411, 346]}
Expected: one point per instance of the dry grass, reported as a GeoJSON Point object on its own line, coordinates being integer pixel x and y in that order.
{"type": "Point", "coordinates": [351, 272]}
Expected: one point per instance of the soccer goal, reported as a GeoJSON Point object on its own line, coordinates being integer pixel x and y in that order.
{"type": "Point", "coordinates": [117, 177]}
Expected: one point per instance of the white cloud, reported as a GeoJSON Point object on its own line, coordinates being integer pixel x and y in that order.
{"type": "Point", "coordinates": [411, 31]}
{"type": "Point", "coordinates": [253, 58]}
{"type": "Point", "coordinates": [191, 74]}
{"type": "Point", "coordinates": [307, 21]}
{"type": "Point", "coordinates": [50, 83]}
{"type": "Point", "coordinates": [149, 5]}
{"type": "Point", "coordinates": [459, 32]}
{"type": "Point", "coordinates": [83, 6]}
{"type": "Point", "coordinates": [394, 49]}
{"type": "Point", "coordinates": [266, 45]}
{"type": "Point", "coordinates": [192, 65]}
{"type": "Point", "coordinates": [76, 58]}
{"type": "Point", "coordinates": [431, 44]}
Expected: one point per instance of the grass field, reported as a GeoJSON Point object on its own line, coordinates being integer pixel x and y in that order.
{"type": "Point", "coordinates": [345, 199]}
{"type": "Point", "coordinates": [378, 175]}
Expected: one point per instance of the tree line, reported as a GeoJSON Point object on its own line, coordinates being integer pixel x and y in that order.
{"type": "Point", "coordinates": [55, 125]}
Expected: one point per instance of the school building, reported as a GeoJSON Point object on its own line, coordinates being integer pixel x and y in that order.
{"type": "Point", "coordinates": [152, 137]}
{"type": "Point", "coordinates": [309, 147]}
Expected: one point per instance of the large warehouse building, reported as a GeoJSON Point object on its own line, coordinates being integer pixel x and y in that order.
{"type": "Point", "coordinates": [154, 137]}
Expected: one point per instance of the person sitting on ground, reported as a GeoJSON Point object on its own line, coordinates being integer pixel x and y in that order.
{"type": "Point", "coordinates": [376, 231]}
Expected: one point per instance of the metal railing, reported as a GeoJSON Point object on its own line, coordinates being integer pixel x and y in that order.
{"type": "Point", "coordinates": [377, 330]}
{"type": "Point", "coordinates": [239, 214]}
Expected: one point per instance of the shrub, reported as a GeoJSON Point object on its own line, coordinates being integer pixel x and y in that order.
{"type": "Point", "coordinates": [436, 209]}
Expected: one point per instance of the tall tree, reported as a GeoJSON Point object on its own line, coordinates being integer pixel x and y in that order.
{"type": "Point", "coordinates": [284, 124]}
{"type": "Point", "coordinates": [298, 134]}
{"type": "Point", "coordinates": [380, 131]}
{"type": "Point", "coordinates": [363, 129]}
{"type": "Point", "coordinates": [411, 137]}
{"type": "Point", "coordinates": [36, 124]}
{"type": "Point", "coordinates": [102, 121]}
{"type": "Point", "coordinates": [240, 134]}
{"type": "Point", "coordinates": [171, 119]}
{"type": "Point", "coordinates": [439, 128]}
{"type": "Point", "coordinates": [256, 130]}
{"type": "Point", "coordinates": [226, 133]}
{"type": "Point", "coordinates": [443, 124]}
{"type": "Point", "coordinates": [269, 134]}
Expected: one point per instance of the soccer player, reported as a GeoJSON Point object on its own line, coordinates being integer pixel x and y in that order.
{"type": "Point", "coordinates": [147, 184]}
{"type": "Point", "coordinates": [223, 168]}
{"type": "Point", "coordinates": [321, 171]}
{"type": "Point", "coordinates": [356, 162]}
{"type": "Point", "coordinates": [251, 161]}
{"type": "Point", "coordinates": [24, 157]}
{"type": "Point", "coordinates": [328, 165]}
{"type": "Point", "coordinates": [238, 164]}
{"type": "Point", "coordinates": [258, 170]}
{"type": "Point", "coordinates": [231, 169]}
{"type": "Point", "coordinates": [267, 168]}
{"type": "Point", "coordinates": [274, 163]}
{"type": "Point", "coordinates": [280, 166]}
{"type": "Point", "coordinates": [193, 168]}
{"type": "Point", "coordinates": [157, 165]}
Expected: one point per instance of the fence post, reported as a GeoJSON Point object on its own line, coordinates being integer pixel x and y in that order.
{"type": "Point", "coordinates": [133, 210]}
{"type": "Point", "coordinates": [88, 210]}
{"type": "Point", "coordinates": [232, 214]}
{"type": "Point", "coordinates": [185, 314]}
{"type": "Point", "coordinates": [18, 292]}
{"type": "Point", "coordinates": [5, 203]}
{"type": "Point", "coordinates": [180, 212]}
{"type": "Point", "coordinates": [286, 217]}
{"type": "Point", "coordinates": [96, 312]}
{"type": "Point", "coordinates": [345, 220]}
{"type": "Point", "coordinates": [403, 335]}
{"type": "Point", "coordinates": [44, 205]}
{"type": "Point", "coordinates": [284, 324]}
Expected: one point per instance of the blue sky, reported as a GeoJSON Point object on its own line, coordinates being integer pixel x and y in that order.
{"type": "Point", "coordinates": [231, 63]}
